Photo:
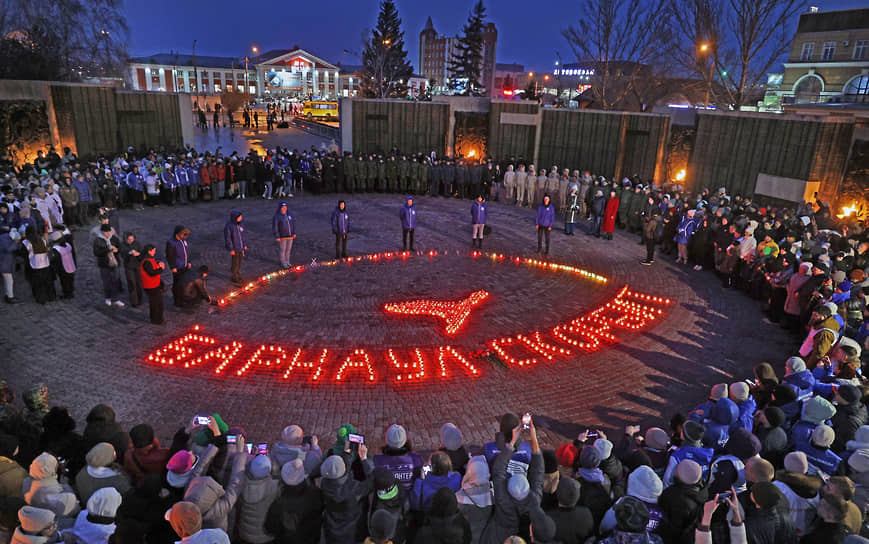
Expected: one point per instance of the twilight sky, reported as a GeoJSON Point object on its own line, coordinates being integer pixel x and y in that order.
{"type": "Point", "coordinates": [528, 33]}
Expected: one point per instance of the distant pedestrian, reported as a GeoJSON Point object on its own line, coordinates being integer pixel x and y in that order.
{"type": "Point", "coordinates": [478, 221]}
{"type": "Point", "coordinates": [284, 229]}
{"type": "Point", "coordinates": [256, 120]}
{"type": "Point", "coordinates": [340, 228]}
{"type": "Point", "coordinates": [408, 222]}
{"type": "Point", "coordinates": [131, 256]}
{"type": "Point", "coordinates": [233, 235]}
{"type": "Point", "coordinates": [179, 262]}
{"type": "Point", "coordinates": [609, 216]}
{"type": "Point", "coordinates": [106, 250]}
{"type": "Point", "coordinates": [544, 221]}
{"type": "Point", "coordinates": [150, 271]}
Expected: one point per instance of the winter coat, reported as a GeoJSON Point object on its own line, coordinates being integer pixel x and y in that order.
{"type": "Point", "coordinates": [8, 249]}
{"type": "Point", "coordinates": [12, 477]}
{"type": "Point", "coordinates": [424, 489]}
{"type": "Point", "coordinates": [343, 510]}
{"type": "Point", "coordinates": [722, 417]}
{"type": "Point", "coordinates": [507, 512]}
{"type": "Point", "coordinates": [702, 456]}
{"type": "Point", "coordinates": [404, 464]}
{"type": "Point", "coordinates": [254, 501]}
{"type": "Point", "coordinates": [283, 225]}
{"type": "Point", "coordinates": [139, 462]}
{"type": "Point", "coordinates": [340, 221]}
{"type": "Point", "coordinates": [233, 233]}
{"type": "Point", "coordinates": [609, 215]}
{"type": "Point", "coordinates": [845, 422]}
{"type": "Point", "coordinates": [545, 216]}
{"type": "Point", "coordinates": [572, 525]}
{"type": "Point", "coordinates": [84, 190]}
{"type": "Point", "coordinates": [214, 501]}
{"type": "Point", "coordinates": [102, 249]}
{"type": "Point", "coordinates": [176, 254]}
{"type": "Point", "coordinates": [452, 529]}
{"type": "Point", "coordinates": [682, 505]}
{"type": "Point", "coordinates": [90, 479]}
{"type": "Point", "coordinates": [478, 213]}
{"type": "Point", "coordinates": [407, 214]}
{"type": "Point", "coordinates": [820, 459]}
{"type": "Point", "coordinates": [282, 454]}
{"type": "Point", "coordinates": [685, 230]}
{"type": "Point", "coordinates": [598, 205]}
{"type": "Point", "coordinates": [296, 516]}
{"type": "Point", "coordinates": [801, 491]}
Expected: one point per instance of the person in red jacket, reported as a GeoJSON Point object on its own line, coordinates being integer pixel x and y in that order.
{"type": "Point", "coordinates": [146, 456]}
{"type": "Point", "coordinates": [609, 215]}
{"type": "Point", "coordinates": [151, 283]}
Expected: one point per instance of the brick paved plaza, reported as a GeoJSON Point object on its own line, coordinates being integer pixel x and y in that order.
{"type": "Point", "coordinates": [87, 353]}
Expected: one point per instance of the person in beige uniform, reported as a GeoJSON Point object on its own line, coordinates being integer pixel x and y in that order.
{"type": "Point", "coordinates": [520, 180]}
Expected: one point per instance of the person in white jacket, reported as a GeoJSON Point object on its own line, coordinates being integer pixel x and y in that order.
{"type": "Point", "coordinates": [800, 489]}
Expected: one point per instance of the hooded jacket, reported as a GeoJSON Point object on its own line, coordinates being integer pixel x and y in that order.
{"type": "Point", "coordinates": [545, 216]}
{"type": "Point", "coordinates": [846, 421]}
{"type": "Point", "coordinates": [283, 224]}
{"type": "Point", "coordinates": [816, 411]}
{"type": "Point", "coordinates": [407, 214]}
{"type": "Point", "coordinates": [255, 499]}
{"type": "Point", "coordinates": [12, 477]}
{"type": "Point", "coordinates": [233, 233]}
{"type": "Point", "coordinates": [340, 221]}
{"type": "Point", "coordinates": [424, 489]}
{"type": "Point", "coordinates": [296, 516]}
{"type": "Point", "coordinates": [507, 512]}
{"type": "Point", "coordinates": [475, 498]}
{"type": "Point", "coordinates": [801, 491]}
{"type": "Point", "coordinates": [282, 454]}
{"type": "Point", "coordinates": [214, 501]}
{"type": "Point", "coordinates": [722, 417]}
{"type": "Point", "coordinates": [682, 505]}
{"type": "Point", "coordinates": [343, 510]}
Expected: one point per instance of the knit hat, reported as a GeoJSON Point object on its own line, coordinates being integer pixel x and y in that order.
{"type": "Point", "coordinates": [590, 457]}
{"type": "Point", "coordinates": [101, 455]}
{"type": "Point", "coordinates": [794, 365]}
{"type": "Point", "coordinates": [743, 444]}
{"type": "Point", "coordinates": [444, 503]}
{"type": "Point", "coordinates": [765, 494]}
{"type": "Point", "coordinates": [739, 391]}
{"type": "Point", "coordinates": [657, 439]}
{"type": "Point", "coordinates": [796, 462]}
{"type": "Point", "coordinates": [693, 431]}
{"type": "Point", "coordinates": [859, 461]}
{"type": "Point", "coordinates": [8, 445]}
{"type": "Point", "coordinates": [396, 436]}
{"type": "Point", "coordinates": [179, 467]}
{"type": "Point", "coordinates": [382, 525]}
{"type": "Point", "coordinates": [333, 467]}
{"type": "Point", "coordinates": [260, 467]}
{"type": "Point", "coordinates": [104, 502]}
{"type": "Point", "coordinates": [34, 520]}
{"type": "Point", "coordinates": [719, 391]}
{"type": "Point", "coordinates": [142, 435]}
{"type": "Point", "coordinates": [605, 447]}
{"type": "Point", "coordinates": [550, 462]}
{"type": "Point", "coordinates": [861, 439]}
{"type": "Point", "coordinates": [774, 416]}
{"type": "Point", "coordinates": [632, 516]}
{"type": "Point", "coordinates": [849, 393]}
{"type": "Point", "coordinates": [567, 492]}
{"type": "Point", "coordinates": [44, 466]}
{"type": "Point", "coordinates": [341, 436]}
{"type": "Point", "coordinates": [823, 436]}
{"type": "Point", "coordinates": [758, 469]}
{"type": "Point", "coordinates": [292, 435]}
{"type": "Point", "coordinates": [518, 487]}
{"type": "Point", "coordinates": [644, 484]}
{"type": "Point", "coordinates": [185, 518]}
{"type": "Point", "coordinates": [567, 454]}
{"type": "Point", "coordinates": [818, 410]}
{"type": "Point", "coordinates": [688, 471]}
{"type": "Point", "coordinates": [451, 437]}
{"type": "Point", "coordinates": [385, 484]}
{"type": "Point", "coordinates": [293, 472]}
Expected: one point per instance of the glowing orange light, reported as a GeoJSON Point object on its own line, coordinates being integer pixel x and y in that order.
{"type": "Point", "coordinates": [848, 211]}
{"type": "Point", "coordinates": [680, 175]}
{"type": "Point", "coordinates": [453, 313]}
{"type": "Point", "coordinates": [471, 154]}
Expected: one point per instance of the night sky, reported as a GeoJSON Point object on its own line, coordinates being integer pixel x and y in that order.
{"type": "Point", "coordinates": [527, 34]}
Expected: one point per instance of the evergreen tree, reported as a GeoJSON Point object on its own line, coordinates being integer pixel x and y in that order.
{"type": "Point", "coordinates": [466, 66]}
{"type": "Point", "coordinates": [386, 71]}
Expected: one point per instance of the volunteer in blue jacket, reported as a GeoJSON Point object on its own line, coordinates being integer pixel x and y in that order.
{"type": "Point", "coordinates": [340, 228]}
{"type": "Point", "coordinates": [478, 221]}
{"type": "Point", "coordinates": [544, 221]}
{"type": "Point", "coordinates": [408, 222]}
{"type": "Point", "coordinates": [284, 229]}
{"type": "Point", "coordinates": [233, 235]}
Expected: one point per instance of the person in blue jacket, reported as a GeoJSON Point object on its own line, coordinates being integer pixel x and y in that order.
{"type": "Point", "coordinates": [478, 221]}
{"type": "Point", "coordinates": [544, 221]}
{"type": "Point", "coordinates": [233, 235]}
{"type": "Point", "coordinates": [408, 222]}
{"type": "Point", "coordinates": [284, 229]}
{"type": "Point", "coordinates": [441, 475]}
{"type": "Point", "coordinates": [340, 228]}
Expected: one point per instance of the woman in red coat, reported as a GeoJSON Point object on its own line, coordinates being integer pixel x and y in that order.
{"type": "Point", "coordinates": [609, 215]}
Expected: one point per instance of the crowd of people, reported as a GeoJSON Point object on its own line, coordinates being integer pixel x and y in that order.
{"type": "Point", "coordinates": [780, 457]}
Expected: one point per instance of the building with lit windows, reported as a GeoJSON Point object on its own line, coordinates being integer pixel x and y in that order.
{"type": "Point", "coordinates": [292, 73]}
{"type": "Point", "coordinates": [436, 52]}
{"type": "Point", "coordinates": [829, 58]}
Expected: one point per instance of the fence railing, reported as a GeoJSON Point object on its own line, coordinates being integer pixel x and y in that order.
{"type": "Point", "coordinates": [319, 129]}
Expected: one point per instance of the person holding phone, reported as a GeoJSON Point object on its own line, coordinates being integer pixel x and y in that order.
{"type": "Point", "coordinates": [440, 475]}
{"type": "Point", "coordinates": [522, 452]}
{"type": "Point", "coordinates": [294, 444]}
{"type": "Point", "coordinates": [343, 515]}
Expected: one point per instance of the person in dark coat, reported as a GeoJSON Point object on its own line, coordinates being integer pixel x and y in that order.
{"type": "Point", "coordinates": [850, 415]}
{"type": "Point", "coordinates": [682, 503]}
{"type": "Point", "coordinates": [597, 207]}
{"type": "Point", "coordinates": [444, 523]}
{"type": "Point", "coordinates": [178, 257]}
{"type": "Point", "coordinates": [236, 244]}
{"type": "Point", "coordinates": [340, 228]}
{"type": "Point", "coordinates": [830, 527]}
{"type": "Point", "coordinates": [102, 427]}
{"type": "Point", "coordinates": [145, 508]}
{"type": "Point", "coordinates": [764, 522]}
{"type": "Point", "coordinates": [296, 516]}
{"type": "Point", "coordinates": [344, 520]}
{"type": "Point", "coordinates": [131, 255]}
{"type": "Point", "coordinates": [573, 524]}
{"type": "Point", "coordinates": [544, 220]}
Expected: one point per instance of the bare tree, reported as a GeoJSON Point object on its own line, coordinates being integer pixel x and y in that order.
{"type": "Point", "coordinates": [620, 39]}
{"type": "Point", "coordinates": [732, 45]}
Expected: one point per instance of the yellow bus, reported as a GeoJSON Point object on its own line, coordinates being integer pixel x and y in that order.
{"type": "Point", "coordinates": [320, 109]}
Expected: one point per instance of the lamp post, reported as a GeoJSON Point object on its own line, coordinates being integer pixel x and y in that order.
{"type": "Point", "coordinates": [706, 49]}
{"type": "Point", "coordinates": [195, 70]}
{"type": "Point", "coordinates": [558, 70]}
{"type": "Point", "coordinates": [531, 76]}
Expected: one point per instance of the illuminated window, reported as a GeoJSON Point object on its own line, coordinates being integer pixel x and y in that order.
{"type": "Point", "coordinates": [808, 90]}
{"type": "Point", "coordinates": [859, 86]}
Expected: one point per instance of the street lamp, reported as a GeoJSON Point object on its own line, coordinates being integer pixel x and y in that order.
{"type": "Point", "coordinates": [704, 48]}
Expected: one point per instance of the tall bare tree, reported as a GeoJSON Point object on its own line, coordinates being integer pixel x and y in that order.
{"type": "Point", "coordinates": [621, 40]}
